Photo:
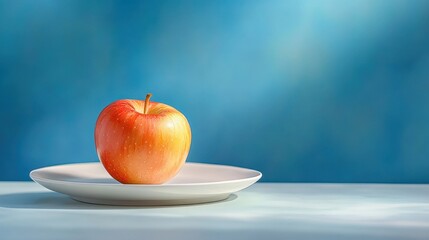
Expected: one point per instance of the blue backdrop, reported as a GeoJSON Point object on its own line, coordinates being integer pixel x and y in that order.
{"type": "Point", "coordinates": [324, 91]}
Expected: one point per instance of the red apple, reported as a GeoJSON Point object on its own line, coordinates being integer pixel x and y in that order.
{"type": "Point", "coordinates": [142, 142]}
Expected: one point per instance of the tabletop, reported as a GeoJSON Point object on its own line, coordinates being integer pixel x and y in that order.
{"type": "Point", "coordinates": [264, 210]}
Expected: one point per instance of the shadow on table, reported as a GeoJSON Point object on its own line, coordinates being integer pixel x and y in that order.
{"type": "Point", "coordinates": [52, 200]}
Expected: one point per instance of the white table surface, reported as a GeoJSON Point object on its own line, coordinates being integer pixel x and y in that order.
{"type": "Point", "coordinates": [263, 211]}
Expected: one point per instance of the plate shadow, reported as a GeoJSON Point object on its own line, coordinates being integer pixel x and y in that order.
{"type": "Point", "coordinates": [53, 200]}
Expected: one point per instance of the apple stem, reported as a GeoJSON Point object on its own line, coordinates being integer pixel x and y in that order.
{"type": "Point", "coordinates": [146, 102]}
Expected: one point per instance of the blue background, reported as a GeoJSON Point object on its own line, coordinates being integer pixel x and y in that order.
{"type": "Point", "coordinates": [323, 91]}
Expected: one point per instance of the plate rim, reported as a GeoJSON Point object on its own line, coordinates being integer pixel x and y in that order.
{"type": "Point", "coordinates": [55, 181]}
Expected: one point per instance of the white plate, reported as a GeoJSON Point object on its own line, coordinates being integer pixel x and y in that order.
{"type": "Point", "coordinates": [195, 183]}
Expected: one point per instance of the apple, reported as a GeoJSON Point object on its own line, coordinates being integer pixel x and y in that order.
{"type": "Point", "coordinates": [142, 142]}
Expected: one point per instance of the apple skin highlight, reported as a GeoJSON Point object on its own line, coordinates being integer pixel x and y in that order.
{"type": "Point", "coordinates": [140, 144]}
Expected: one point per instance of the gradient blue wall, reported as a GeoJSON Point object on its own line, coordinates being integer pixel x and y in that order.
{"type": "Point", "coordinates": [325, 91]}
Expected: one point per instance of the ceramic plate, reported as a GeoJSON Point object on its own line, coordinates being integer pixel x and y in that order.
{"type": "Point", "coordinates": [195, 183]}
